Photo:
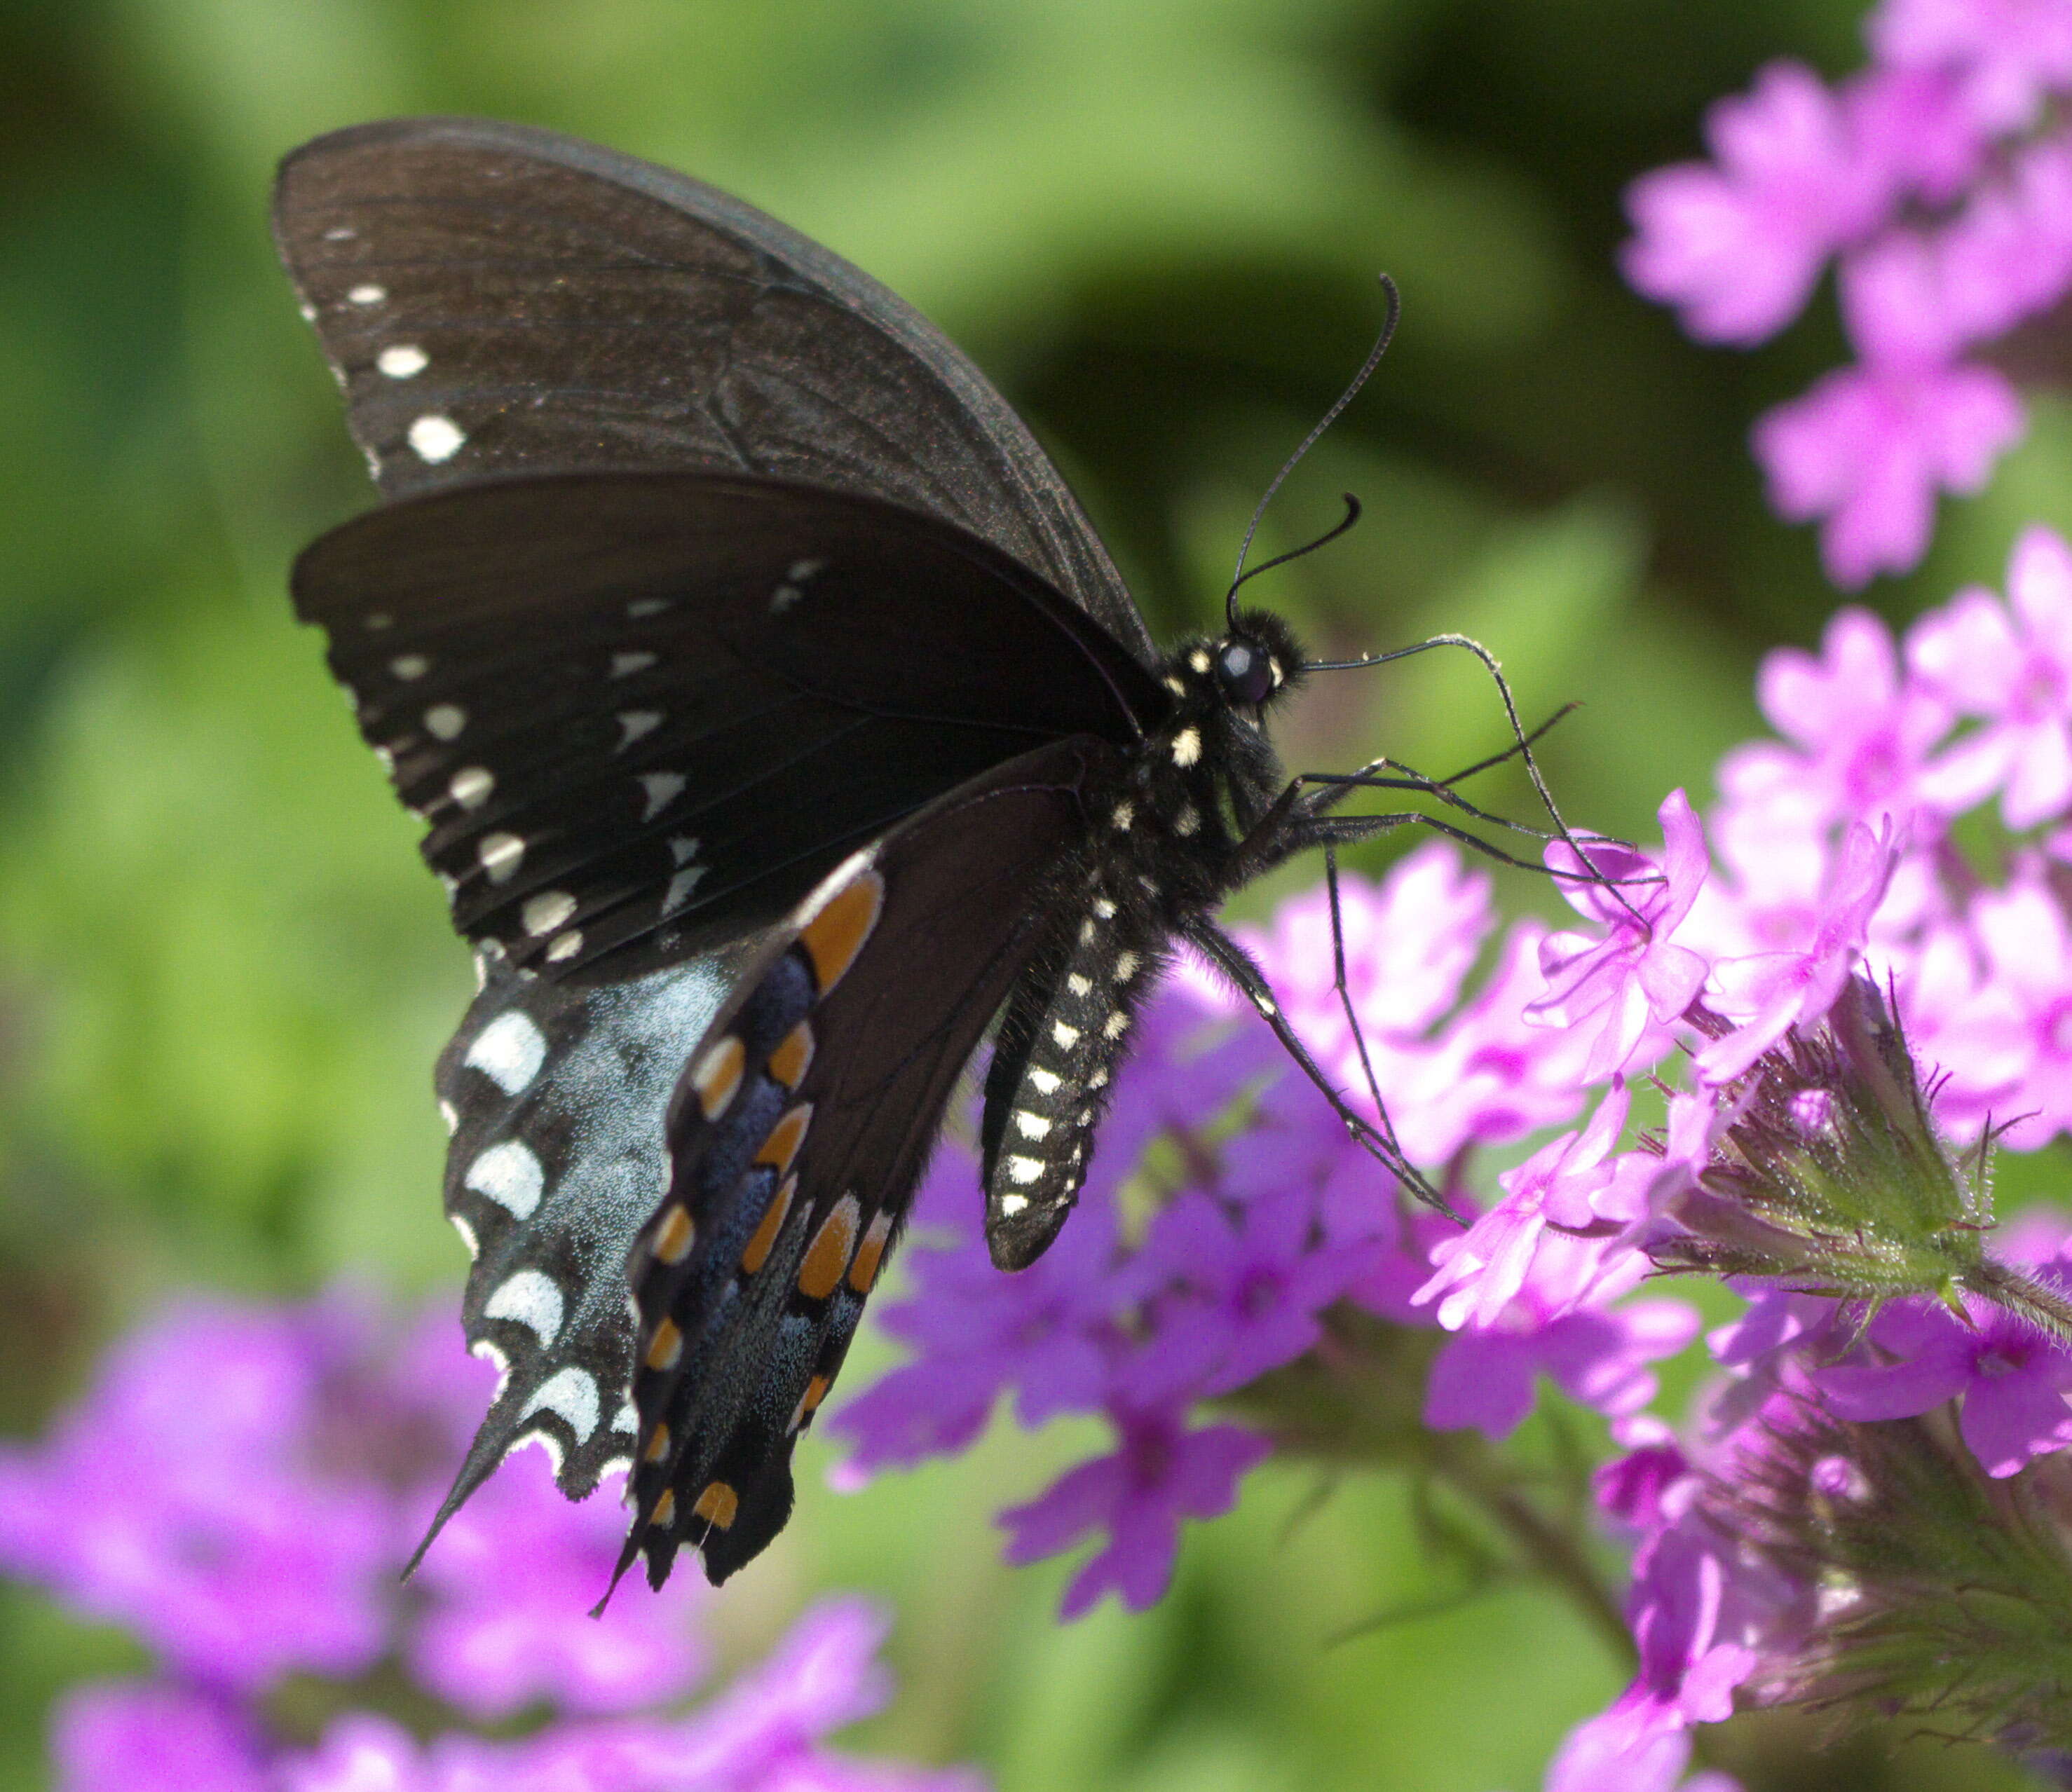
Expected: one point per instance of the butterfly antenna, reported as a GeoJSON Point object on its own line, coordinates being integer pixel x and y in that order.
{"type": "Point", "coordinates": [1395, 301]}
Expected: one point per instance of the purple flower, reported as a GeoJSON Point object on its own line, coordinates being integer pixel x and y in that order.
{"type": "Point", "coordinates": [765, 1732]}
{"type": "Point", "coordinates": [1238, 1292]}
{"type": "Point", "coordinates": [1867, 448]}
{"type": "Point", "coordinates": [1478, 1273]}
{"type": "Point", "coordinates": [2014, 1036]}
{"type": "Point", "coordinates": [1486, 1379]}
{"type": "Point", "coordinates": [1773, 991]}
{"type": "Point", "coordinates": [1632, 972]}
{"type": "Point", "coordinates": [1639, 1745]}
{"type": "Point", "coordinates": [1495, 1072]}
{"type": "Point", "coordinates": [509, 1569]}
{"type": "Point", "coordinates": [1863, 731]}
{"type": "Point", "coordinates": [1159, 1473]}
{"type": "Point", "coordinates": [2012, 664]}
{"type": "Point", "coordinates": [181, 1498]}
{"type": "Point", "coordinates": [1736, 247]}
{"type": "Point", "coordinates": [2012, 1379]}
{"type": "Point", "coordinates": [2007, 54]}
{"type": "Point", "coordinates": [141, 1735]}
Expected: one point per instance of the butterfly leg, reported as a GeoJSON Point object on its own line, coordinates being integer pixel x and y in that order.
{"type": "Point", "coordinates": [1523, 742]}
{"type": "Point", "coordinates": [1379, 1143]}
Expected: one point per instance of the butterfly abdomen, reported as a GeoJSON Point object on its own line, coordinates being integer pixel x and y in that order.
{"type": "Point", "coordinates": [1063, 1036]}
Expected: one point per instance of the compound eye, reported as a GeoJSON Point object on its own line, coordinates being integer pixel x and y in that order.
{"type": "Point", "coordinates": [1246, 674]}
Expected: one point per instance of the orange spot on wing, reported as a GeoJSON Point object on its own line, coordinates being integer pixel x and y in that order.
{"type": "Point", "coordinates": [757, 1250]}
{"type": "Point", "coordinates": [717, 1505]}
{"type": "Point", "coordinates": [785, 1138]}
{"type": "Point", "coordinates": [828, 1256]}
{"type": "Point", "coordinates": [658, 1443]}
{"type": "Point", "coordinates": [794, 1052]}
{"type": "Point", "coordinates": [674, 1237]}
{"type": "Point", "coordinates": [665, 1512]}
{"type": "Point", "coordinates": [665, 1346]}
{"type": "Point", "coordinates": [717, 1077]}
{"type": "Point", "coordinates": [809, 1402]}
{"type": "Point", "coordinates": [870, 1253]}
{"type": "Point", "coordinates": [835, 935]}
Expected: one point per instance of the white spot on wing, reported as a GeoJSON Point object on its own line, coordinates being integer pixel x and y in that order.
{"type": "Point", "coordinates": [642, 607]}
{"type": "Point", "coordinates": [625, 665]}
{"type": "Point", "coordinates": [446, 719]}
{"type": "Point", "coordinates": [452, 1115]}
{"type": "Point", "coordinates": [509, 1051]}
{"type": "Point", "coordinates": [528, 1298]}
{"type": "Point", "coordinates": [471, 786]}
{"type": "Point", "coordinates": [367, 294]}
{"type": "Point", "coordinates": [510, 1175]}
{"type": "Point", "coordinates": [1047, 1081]}
{"type": "Point", "coordinates": [407, 666]}
{"type": "Point", "coordinates": [402, 361]}
{"type": "Point", "coordinates": [634, 723]}
{"type": "Point", "coordinates": [1032, 1126]}
{"type": "Point", "coordinates": [567, 946]}
{"type": "Point", "coordinates": [489, 1353]}
{"type": "Point", "coordinates": [467, 1232]}
{"type": "Point", "coordinates": [1187, 746]}
{"type": "Point", "coordinates": [339, 233]}
{"type": "Point", "coordinates": [1067, 1037]}
{"type": "Point", "coordinates": [572, 1395]}
{"type": "Point", "coordinates": [550, 1446]}
{"type": "Point", "coordinates": [1104, 908]}
{"type": "Point", "coordinates": [500, 855]}
{"type": "Point", "coordinates": [683, 849]}
{"type": "Point", "coordinates": [1077, 984]}
{"type": "Point", "coordinates": [681, 887]}
{"type": "Point", "coordinates": [663, 788]}
{"type": "Point", "coordinates": [434, 438]}
{"type": "Point", "coordinates": [1125, 967]}
{"type": "Point", "coordinates": [801, 570]}
{"type": "Point", "coordinates": [1024, 1169]}
{"type": "Point", "coordinates": [1012, 1204]}
{"type": "Point", "coordinates": [548, 911]}
{"type": "Point", "coordinates": [1117, 1025]}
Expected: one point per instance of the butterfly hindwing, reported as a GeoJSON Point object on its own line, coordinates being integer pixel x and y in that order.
{"type": "Point", "coordinates": [558, 1098]}
{"type": "Point", "coordinates": [495, 299]}
{"type": "Point", "coordinates": [641, 713]}
{"type": "Point", "coordinates": [798, 1132]}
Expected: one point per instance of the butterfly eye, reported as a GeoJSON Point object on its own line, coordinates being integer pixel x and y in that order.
{"type": "Point", "coordinates": [1246, 672]}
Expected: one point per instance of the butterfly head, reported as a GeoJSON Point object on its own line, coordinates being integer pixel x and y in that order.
{"type": "Point", "coordinates": [1257, 661]}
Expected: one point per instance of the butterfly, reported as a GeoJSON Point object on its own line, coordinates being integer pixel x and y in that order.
{"type": "Point", "coordinates": [781, 731]}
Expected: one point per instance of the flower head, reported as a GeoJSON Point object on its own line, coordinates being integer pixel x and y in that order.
{"type": "Point", "coordinates": [1632, 972]}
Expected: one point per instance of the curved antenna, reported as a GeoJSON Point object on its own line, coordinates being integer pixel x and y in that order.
{"type": "Point", "coordinates": [1351, 516]}
{"type": "Point", "coordinates": [1395, 300]}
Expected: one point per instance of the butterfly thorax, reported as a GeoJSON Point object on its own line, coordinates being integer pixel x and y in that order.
{"type": "Point", "coordinates": [1166, 842]}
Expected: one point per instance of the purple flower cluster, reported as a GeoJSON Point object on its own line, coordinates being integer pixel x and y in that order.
{"type": "Point", "coordinates": [240, 1488]}
{"type": "Point", "coordinates": [1939, 182]}
{"type": "Point", "coordinates": [1228, 1220]}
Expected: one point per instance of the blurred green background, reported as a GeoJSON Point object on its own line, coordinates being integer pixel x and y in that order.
{"type": "Point", "coordinates": [223, 974]}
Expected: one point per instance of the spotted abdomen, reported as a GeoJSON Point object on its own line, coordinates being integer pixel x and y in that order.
{"type": "Point", "coordinates": [1065, 1029]}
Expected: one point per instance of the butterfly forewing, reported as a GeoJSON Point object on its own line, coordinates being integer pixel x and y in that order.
{"type": "Point", "coordinates": [801, 1125]}
{"type": "Point", "coordinates": [496, 299]}
{"type": "Point", "coordinates": [642, 712]}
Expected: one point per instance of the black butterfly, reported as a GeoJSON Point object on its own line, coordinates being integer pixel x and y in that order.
{"type": "Point", "coordinates": [780, 726]}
